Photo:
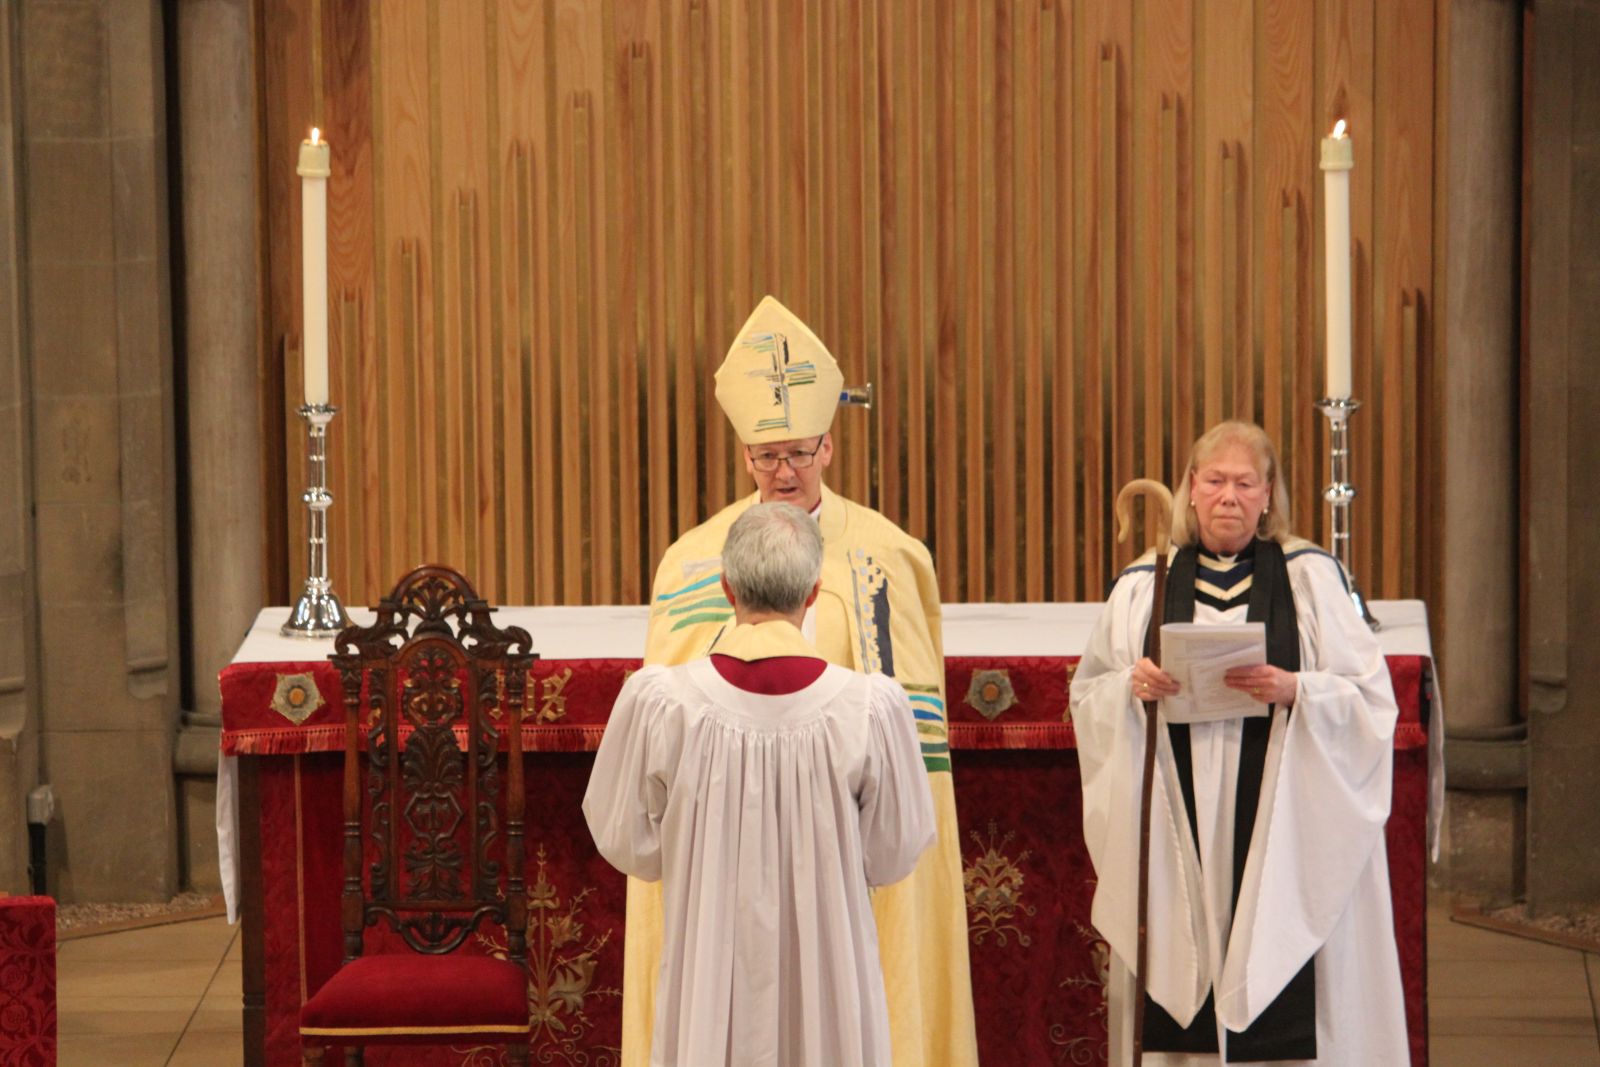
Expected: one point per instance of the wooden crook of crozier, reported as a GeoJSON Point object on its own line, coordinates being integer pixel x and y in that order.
{"type": "Point", "coordinates": [1159, 498]}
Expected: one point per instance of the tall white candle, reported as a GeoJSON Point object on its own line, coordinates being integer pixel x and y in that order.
{"type": "Point", "coordinates": [315, 166]}
{"type": "Point", "coordinates": [1338, 157]}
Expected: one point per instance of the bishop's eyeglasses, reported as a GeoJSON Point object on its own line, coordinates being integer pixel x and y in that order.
{"type": "Point", "coordinates": [799, 459]}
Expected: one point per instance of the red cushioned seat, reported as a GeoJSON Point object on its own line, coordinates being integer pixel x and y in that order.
{"type": "Point", "coordinates": [405, 996]}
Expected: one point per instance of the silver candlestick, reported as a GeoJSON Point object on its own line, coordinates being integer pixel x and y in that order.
{"type": "Point", "coordinates": [318, 612]}
{"type": "Point", "coordinates": [1340, 492]}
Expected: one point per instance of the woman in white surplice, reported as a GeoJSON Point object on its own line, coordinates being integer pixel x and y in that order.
{"type": "Point", "coordinates": [767, 790]}
{"type": "Point", "coordinates": [1270, 928]}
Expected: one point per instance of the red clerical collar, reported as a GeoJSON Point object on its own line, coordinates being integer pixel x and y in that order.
{"type": "Point", "coordinates": [775, 676]}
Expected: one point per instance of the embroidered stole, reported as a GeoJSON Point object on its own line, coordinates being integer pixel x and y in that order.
{"type": "Point", "coordinates": [1287, 1028]}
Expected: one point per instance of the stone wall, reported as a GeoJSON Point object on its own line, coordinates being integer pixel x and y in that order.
{"type": "Point", "coordinates": [1475, 618]}
{"type": "Point", "coordinates": [19, 684]}
{"type": "Point", "coordinates": [1562, 409]}
{"type": "Point", "coordinates": [88, 267]}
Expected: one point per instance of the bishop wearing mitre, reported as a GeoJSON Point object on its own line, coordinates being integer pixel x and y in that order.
{"type": "Point", "coordinates": [877, 612]}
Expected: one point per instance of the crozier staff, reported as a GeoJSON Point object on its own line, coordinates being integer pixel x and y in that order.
{"type": "Point", "coordinates": [1270, 926]}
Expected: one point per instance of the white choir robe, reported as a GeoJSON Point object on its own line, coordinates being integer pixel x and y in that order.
{"type": "Point", "coordinates": [1316, 880]}
{"type": "Point", "coordinates": [766, 818]}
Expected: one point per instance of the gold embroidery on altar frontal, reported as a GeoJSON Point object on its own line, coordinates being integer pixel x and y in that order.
{"type": "Point", "coordinates": [562, 959]}
{"type": "Point", "coordinates": [553, 697]}
{"type": "Point", "coordinates": [994, 890]}
{"type": "Point", "coordinates": [1079, 1048]}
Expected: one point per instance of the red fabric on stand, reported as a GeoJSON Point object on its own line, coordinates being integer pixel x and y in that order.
{"type": "Point", "coordinates": [27, 982]}
{"type": "Point", "coordinates": [1038, 968]}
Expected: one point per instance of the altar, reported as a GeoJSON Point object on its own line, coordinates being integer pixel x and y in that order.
{"type": "Point", "coordinates": [1038, 968]}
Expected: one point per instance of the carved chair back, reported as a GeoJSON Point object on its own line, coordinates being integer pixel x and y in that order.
{"type": "Point", "coordinates": [433, 688]}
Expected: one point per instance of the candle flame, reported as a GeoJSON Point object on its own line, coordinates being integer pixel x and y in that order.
{"type": "Point", "coordinates": [316, 134]}
{"type": "Point", "coordinates": [1338, 130]}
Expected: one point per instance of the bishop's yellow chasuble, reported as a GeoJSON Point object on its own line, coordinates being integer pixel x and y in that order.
{"type": "Point", "coordinates": [878, 611]}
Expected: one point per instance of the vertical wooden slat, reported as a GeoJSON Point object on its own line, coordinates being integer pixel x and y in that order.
{"type": "Point", "coordinates": [1304, 383]}
{"type": "Point", "coordinates": [1110, 412]}
{"type": "Point", "coordinates": [1003, 375]}
{"type": "Point", "coordinates": [1404, 575]}
{"type": "Point", "coordinates": [1175, 393]}
{"type": "Point", "coordinates": [499, 494]}
{"type": "Point", "coordinates": [1053, 304]}
{"type": "Point", "coordinates": [871, 327]}
{"type": "Point", "coordinates": [464, 498]}
{"type": "Point", "coordinates": [521, 550]}
{"type": "Point", "coordinates": [1024, 219]}
{"type": "Point", "coordinates": [411, 340]}
{"type": "Point", "coordinates": [730, 217]}
{"type": "Point", "coordinates": [644, 350]}
{"type": "Point", "coordinates": [895, 277]}
{"type": "Point", "coordinates": [849, 333]}
{"type": "Point", "coordinates": [971, 194]}
{"type": "Point", "coordinates": [691, 176]}
{"type": "Point", "coordinates": [441, 419]}
{"type": "Point", "coordinates": [381, 486]}
{"type": "Point", "coordinates": [553, 313]}
{"type": "Point", "coordinates": [1283, 399]}
{"type": "Point", "coordinates": [572, 446]}
{"type": "Point", "coordinates": [347, 547]}
{"type": "Point", "coordinates": [1068, 335]}
{"type": "Point", "coordinates": [1234, 386]}
{"type": "Point", "coordinates": [949, 136]}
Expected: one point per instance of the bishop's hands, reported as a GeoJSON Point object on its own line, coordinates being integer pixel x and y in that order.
{"type": "Point", "coordinates": [1151, 682]}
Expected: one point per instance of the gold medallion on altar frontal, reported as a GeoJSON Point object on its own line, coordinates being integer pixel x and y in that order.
{"type": "Point", "coordinates": [994, 884]}
{"type": "Point", "coordinates": [297, 697]}
{"type": "Point", "coordinates": [990, 693]}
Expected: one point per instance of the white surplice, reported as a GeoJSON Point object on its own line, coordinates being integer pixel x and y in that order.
{"type": "Point", "coordinates": [1316, 880]}
{"type": "Point", "coordinates": [766, 818]}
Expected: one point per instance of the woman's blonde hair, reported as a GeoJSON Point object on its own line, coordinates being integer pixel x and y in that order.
{"type": "Point", "coordinates": [1274, 523]}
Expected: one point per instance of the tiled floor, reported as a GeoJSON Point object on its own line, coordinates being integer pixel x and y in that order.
{"type": "Point", "coordinates": [168, 996]}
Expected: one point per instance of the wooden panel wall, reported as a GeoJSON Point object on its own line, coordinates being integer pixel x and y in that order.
{"type": "Point", "coordinates": [1060, 238]}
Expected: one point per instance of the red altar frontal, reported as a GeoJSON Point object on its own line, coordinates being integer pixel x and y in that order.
{"type": "Point", "coordinates": [1038, 968]}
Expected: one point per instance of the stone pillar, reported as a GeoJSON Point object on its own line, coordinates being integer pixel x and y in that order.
{"type": "Point", "coordinates": [1482, 320]}
{"type": "Point", "coordinates": [1562, 409]}
{"type": "Point", "coordinates": [1476, 622]}
{"type": "Point", "coordinates": [220, 183]}
{"type": "Point", "coordinates": [96, 311]}
{"type": "Point", "coordinates": [19, 683]}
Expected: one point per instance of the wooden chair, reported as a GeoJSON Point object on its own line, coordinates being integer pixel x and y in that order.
{"type": "Point", "coordinates": [442, 686]}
